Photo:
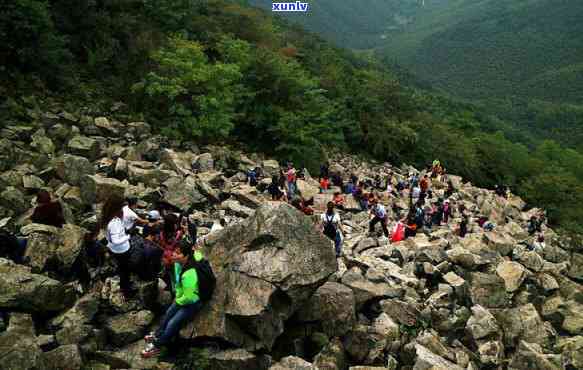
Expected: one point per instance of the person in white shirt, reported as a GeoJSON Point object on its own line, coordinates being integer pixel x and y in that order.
{"type": "Point", "coordinates": [415, 194]}
{"type": "Point", "coordinates": [130, 218]}
{"type": "Point", "coordinates": [332, 227]}
{"type": "Point", "coordinates": [378, 214]}
{"type": "Point", "coordinates": [118, 240]}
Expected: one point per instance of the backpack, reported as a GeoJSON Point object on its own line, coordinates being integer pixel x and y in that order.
{"type": "Point", "coordinates": [419, 217]}
{"type": "Point", "coordinates": [206, 279]}
{"type": "Point", "coordinates": [330, 228]}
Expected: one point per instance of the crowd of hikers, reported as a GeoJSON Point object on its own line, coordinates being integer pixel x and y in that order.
{"type": "Point", "coordinates": [167, 247]}
{"type": "Point", "coordinates": [163, 242]}
{"type": "Point", "coordinates": [424, 212]}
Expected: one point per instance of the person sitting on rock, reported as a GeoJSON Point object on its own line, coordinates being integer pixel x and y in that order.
{"type": "Point", "coordinates": [337, 180]}
{"type": "Point", "coordinates": [187, 302]}
{"type": "Point", "coordinates": [332, 227]}
{"type": "Point", "coordinates": [437, 212]}
{"type": "Point", "coordinates": [360, 196]}
{"type": "Point", "coordinates": [349, 188]}
{"type": "Point", "coordinates": [168, 240]}
{"type": "Point", "coordinates": [47, 212]}
{"type": "Point", "coordinates": [118, 240]}
{"type": "Point", "coordinates": [485, 224]}
{"type": "Point", "coordinates": [534, 225]}
{"type": "Point", "coordinates": [378, 214]}
{"type": "Point", "coordinates": [338, 200]}
{"type": "Point", "coordinates": [275, 191]}
{"type": "Point", "coordinates": [324, 170]}
{"type": "Point", "coordinates": [302, 205]}
{"type": "Point", "coordinates": [130, 218]}
{"type": "Point", "coordinates": [252, 177]}
{"type": "Point", "coordinates": [410, 224]}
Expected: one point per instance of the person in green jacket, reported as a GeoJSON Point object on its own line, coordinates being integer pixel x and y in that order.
{"type": "Point", "coordinates": [187, 301]}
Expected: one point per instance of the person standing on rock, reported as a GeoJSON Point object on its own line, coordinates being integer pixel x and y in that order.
{"type": "Point", "coordinates": [378, 214]}
{"type": "Point", "coordinates": [463, 228]}
{"type": "Point", "coordinates": [291, 178]}
{"type": "Point", "coordinates": [332, 227]}
{"type": "Point", "coordinates": [130, 218]}
{"type": "Point", "coordinates": [186, 304]}
{"type": "Point", "coordinates": [447, 211]}
{"type": "Point", "coordinates": [47, 212]}
{"type": "Point", "coordinates": [118, 240]}
{"type": "Point", "coordinates": [324, 184]}
{"type": "Point", "coordinates": [324, 170]}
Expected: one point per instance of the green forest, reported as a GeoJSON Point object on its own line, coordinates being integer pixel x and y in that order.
{"type": "Point", "coordinates": [215, 71]}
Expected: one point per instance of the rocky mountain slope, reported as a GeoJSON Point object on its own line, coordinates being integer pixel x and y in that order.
{"type": "Point", "coordinates": [283, 301]}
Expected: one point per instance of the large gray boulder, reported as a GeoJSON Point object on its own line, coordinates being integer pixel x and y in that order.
{"type": "Point", "coordinates": [576, 270]}
{"type": "Point", "coordinates": [126, 328]}
{"type": "Point", "coordinates": [65, 357]}
{"type": "Point", "coordinates": [177, 162]}
{"type": "Point", "coordinates": [183, 192]}
{"type": "Point", "coordinates": [427, 360]}
{"type": "Point", "coordinates": [85, 147]}
{"type": "Point", "coordinates": [96, 189]}
{"type": "Point", "coordinates": [54, 249]}
{"type": "Point", "coordinates": [266, 267]}
{"type": "Point", "coordinates": [71, 168]}
{"type": "Point", "coordinates": [19, 349]}
{"type": "Point", "coordinates": [7, 154]}
{"type": "Point", "coordinates": [204, 162]}
{"type": "Point", "coordinates": [13, 199]}
{"type": "Point", "coordinates": [24, 291]}
{"type": "Point", "coordinates": [366, 290]}
{"type": "Point", "coordinates": [488, 290]}
{"type": "Point", "coordinates": [42, 143]}
{"type": "Point", "coordinates": [238, 359]}
{"type": "Point", "coordinates": [332, 305]}
{"type": "Point", "coordinates": [292, 363]}
{"type": "Point", "coordinates": [270, 167]}
{"type": "Point", "coordinates": [524, 323]}
{"type": "Point", "coordinates": [531, 356]}
{"type": "Point", "coordinates": [148, 176]}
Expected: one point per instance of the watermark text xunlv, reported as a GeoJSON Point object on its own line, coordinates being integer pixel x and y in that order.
{"type": "Point", "coordinates": [290, 7]}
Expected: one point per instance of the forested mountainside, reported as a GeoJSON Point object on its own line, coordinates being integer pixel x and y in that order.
{"type": "Point", "coordinates": [352, 24]}
{"type": "Point", "coordinates": [213, 71]}
{"type": "Point", "coordinates": [518, 60]}
{"type": "Point", "coordinates": [485, 49]}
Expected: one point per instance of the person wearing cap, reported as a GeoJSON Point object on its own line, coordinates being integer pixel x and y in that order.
{"type": "Point", "coordinates": [130, 218]}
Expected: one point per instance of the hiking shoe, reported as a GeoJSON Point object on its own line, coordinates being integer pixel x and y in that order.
{"type": "Point", "coordinates": [150, 351]}
{"type": "Point", "coordinates": [150, 338]}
